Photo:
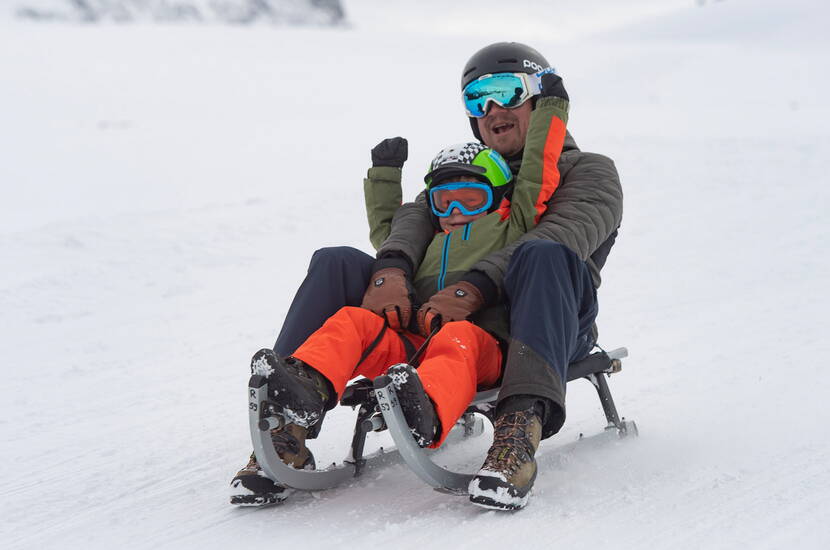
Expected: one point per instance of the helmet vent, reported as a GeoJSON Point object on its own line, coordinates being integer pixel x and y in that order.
{"type": "Point", "coordinates": [508, 60]}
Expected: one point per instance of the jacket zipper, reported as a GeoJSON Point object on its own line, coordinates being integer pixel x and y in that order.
{"type": "Point", "coordinates": [445, 254]}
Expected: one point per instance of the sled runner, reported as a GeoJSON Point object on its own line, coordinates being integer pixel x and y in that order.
{"type": "Point", "coordinates": [378, 410]}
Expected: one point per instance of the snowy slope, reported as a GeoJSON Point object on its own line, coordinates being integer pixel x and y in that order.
{"type": "Point", "coordinates": [164, 187]}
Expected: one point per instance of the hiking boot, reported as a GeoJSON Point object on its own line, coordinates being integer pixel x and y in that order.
{"type": "Point", "coordinates": [509, 470]}
{"type": "Point", "coordinates": [416, 405]}
{"type": "Point", "coordinates": [299, 392]}
{"type": "Point", "coordinates": [251, 487]}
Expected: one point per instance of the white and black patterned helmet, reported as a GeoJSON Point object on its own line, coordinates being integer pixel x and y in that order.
{"type": "Point", "coordinates": [469, 159]}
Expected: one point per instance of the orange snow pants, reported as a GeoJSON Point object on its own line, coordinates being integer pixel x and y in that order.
{"type": "Point", "coordinates": [460, 358]}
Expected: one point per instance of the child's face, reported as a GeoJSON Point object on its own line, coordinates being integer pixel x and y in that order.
{"type": "Point", "coordinates": [456, 219]}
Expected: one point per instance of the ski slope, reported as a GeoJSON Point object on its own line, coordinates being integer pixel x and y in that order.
{"type": "Point", "coordinates": [163, 188]}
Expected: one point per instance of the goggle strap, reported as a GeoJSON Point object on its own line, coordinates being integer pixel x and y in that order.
{"type": "Point", "coordinates": [534, 83]}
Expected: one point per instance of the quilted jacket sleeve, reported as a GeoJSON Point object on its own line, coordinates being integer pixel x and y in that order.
{"type": "Point", "coordinates": [411, 232]}
{"type": "Point", "coordinates": [582, 214]}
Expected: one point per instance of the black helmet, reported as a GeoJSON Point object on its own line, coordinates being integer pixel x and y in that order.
{"type": "Point", "coordinates": [501, 57]}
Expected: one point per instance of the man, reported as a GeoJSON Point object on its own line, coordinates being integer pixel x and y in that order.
{"type": "Point", "coordinates": [540, 289]}
{"type": "Point", "coordinates": [545, 281]}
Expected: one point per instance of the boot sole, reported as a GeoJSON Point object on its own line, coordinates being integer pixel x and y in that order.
{"type": "Point", "coordinates": [495, 493]}
{"type": "Point", "coordinates": [243, 496]}
{"type": "Point", "coordinates": [255, 501]}
{"type": "Point", "coordinates": [411, 395]}
{"type": "Point", "coordinates": [256, 490]}
{"type": "Point", "coordinates": [490, 504]}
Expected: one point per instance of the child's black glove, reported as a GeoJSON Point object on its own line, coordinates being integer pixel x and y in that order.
{"type": "Point", "coordinates": [390, 152]}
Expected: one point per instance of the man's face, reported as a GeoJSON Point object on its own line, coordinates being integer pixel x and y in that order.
{"type": "Point", "coordinates": [505, 130]}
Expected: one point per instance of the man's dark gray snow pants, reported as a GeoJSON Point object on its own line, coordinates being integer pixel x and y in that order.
{"type": "Point", "coordinates": [552, 304]}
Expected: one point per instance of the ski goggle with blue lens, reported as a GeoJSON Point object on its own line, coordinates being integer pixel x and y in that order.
{"type": "Point", "coordinates": [470, 198]}
{"type": "Point", "coordinates": [506, 89]}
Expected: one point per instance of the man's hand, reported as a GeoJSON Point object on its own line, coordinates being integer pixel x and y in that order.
{"type": "Point", "coordinates": [390, 152]}
{"type": "Point", "coordinates": [552, 86]}
{"type": "Point", "coordinates": [454, 303]}
{"type": "Point", "coordinates": [389, 296]}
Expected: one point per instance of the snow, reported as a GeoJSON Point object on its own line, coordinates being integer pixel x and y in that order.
{"type": "Point", "coordinates": [163, 188]}
{"type": "Point", "coordinates": [260, 366]}
{"type": "Point", "coordinates": [235, 12]}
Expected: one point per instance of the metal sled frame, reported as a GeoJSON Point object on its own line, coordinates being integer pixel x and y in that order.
{"type": "Point", "coordinates": [379, 409]}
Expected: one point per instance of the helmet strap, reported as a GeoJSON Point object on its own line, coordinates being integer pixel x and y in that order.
{"type": "Point", "coordinates": [474, 126]}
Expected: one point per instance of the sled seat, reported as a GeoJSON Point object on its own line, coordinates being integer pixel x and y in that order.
{"type": "Point", "coordinates": [595, 367]}
{"type": "Point", "coordinates": [601, 361]}
{"type": "Point", "coordinates": [361, 392]}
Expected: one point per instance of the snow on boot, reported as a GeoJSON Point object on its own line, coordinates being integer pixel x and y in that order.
{"type": "Point", "coordinates": [416, 406]}
{"type": "Point", "coordinates": [298, 391]}
{"type": "Point", "coordinates": [251, 487]}
{"type": "Point", "coordinates": [509, 470]}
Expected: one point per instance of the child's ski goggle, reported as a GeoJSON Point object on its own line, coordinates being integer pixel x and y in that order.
{"type": "Point", "coordinates": [470, 198]}
{"type": "Point", "coordinates": [506, 89]}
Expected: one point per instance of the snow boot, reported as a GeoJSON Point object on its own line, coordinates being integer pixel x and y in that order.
{"type": "Point", "coordinates": [251, 487]}
{"type": "Point", "coordinates": [416, 405]}
{"type": "Point", "coordinates": [299, 392]}
{"type": "Point", "coordinates": [508, 473]}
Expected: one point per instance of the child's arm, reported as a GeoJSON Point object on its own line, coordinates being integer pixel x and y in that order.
{"type": "Point", "coordinates": [382, 187]}
{"type": "Point", "coordinates": [382, 192]}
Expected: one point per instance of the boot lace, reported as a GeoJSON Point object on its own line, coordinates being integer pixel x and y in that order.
{"type": "Point", "coordinates": [511, 444]}
{"type": "Point", "coordinates": [283, 443]}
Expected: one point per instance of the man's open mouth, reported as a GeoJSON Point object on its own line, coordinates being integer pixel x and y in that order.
{"type": "Point", "coordinates": [502, 127]}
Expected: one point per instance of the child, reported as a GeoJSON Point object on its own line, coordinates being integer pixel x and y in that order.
{"type": "Point", "coordinates": [480, 208]}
